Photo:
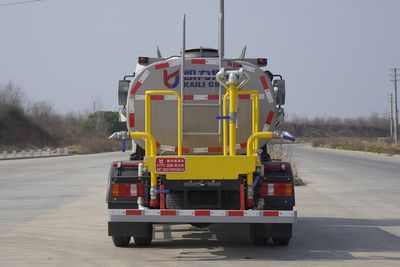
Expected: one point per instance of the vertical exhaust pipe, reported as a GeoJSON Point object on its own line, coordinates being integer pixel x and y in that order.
{"type": "Point", "coordinates": [221, 47]}
{"type": "Point", "coordinates": [221, 31]}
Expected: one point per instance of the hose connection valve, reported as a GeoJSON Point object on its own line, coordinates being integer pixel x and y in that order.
{"type": "Point", "coordinates": [234, 76]}
{"type": "Point", "coordinates": [284, 135]}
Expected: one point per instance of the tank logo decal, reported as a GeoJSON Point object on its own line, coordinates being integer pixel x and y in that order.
{"type": "Point", "coordinates": [196, 82]}
{"type": "Point", "coordinates": [168, 76]}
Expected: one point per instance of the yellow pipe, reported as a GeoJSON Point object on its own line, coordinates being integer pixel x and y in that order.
{"type": "Point", "coordinates": [148, 114]}
{"type": "Point", "coordinates": [233, 90]}
{"type": "Point", "coordinates": [253, 138]}
{"type": "Point", "coordinates": [254, 116]}
{"type": "Point", "coordinates": [254, 112]}
{"type": "Point", "coordinates": [152, 151]}
{"type": "Point", "coordinates": [225, 124]}
{"type": "Point", "coordinates": [250, 179]}
{"type": "Point", "coordinates": [256, 120]}
{"type": "Point", "coordinates": [147, 120]}
{"type": "Point", "coordinates": [149, 139]}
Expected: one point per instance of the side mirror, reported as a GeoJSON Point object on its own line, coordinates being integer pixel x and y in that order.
{"type": "Point", "coordinates": [123, 88]}
{"type": "Point", "coordinates": [122, 115]}
{"type": "Point", "coordinates": [280, 92]}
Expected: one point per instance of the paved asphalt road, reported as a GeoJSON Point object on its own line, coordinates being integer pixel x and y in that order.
{"type": "Point", "coordinates": [53, 213]}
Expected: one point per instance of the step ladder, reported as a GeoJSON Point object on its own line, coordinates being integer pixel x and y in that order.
{"type": "Point", "coordinates": [200, 105]}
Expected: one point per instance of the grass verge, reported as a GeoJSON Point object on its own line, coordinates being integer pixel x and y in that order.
{"type": "Point", "coordinates": [367, 145]}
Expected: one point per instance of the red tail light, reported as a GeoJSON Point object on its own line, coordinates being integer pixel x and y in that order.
{"type": "Point", "coordinates": [143, 60]}
{"type": "Point", "coordinates": [280, 190]}
{"type": "Point", "coordinates": [264, 189]}
{"type": "Point", "coordinates": [139, 190]}
{"type": "Point", "coordinates": [262, 62]}
{"type": "Point", "coordinates": [127, 190]}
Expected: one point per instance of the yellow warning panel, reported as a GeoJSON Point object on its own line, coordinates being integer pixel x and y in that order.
{"type": "Point", "coordinates": [202, 167]}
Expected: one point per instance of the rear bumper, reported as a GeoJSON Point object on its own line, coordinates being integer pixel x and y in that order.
{"type": "Point", "coordinates": [202, 216]}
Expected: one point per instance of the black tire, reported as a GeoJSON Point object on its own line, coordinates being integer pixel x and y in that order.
{"type": "Point", "coordinates": [146, 238]}
{"type": "Point", "coordinates": [257, 239]}
{"type": "Point", "coordinates": [280, 241]}
{"type": "Point", "coordinates": [121, 241]}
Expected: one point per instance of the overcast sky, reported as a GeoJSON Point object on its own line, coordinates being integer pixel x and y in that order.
{"type": "Point", "coordinates": [335, 55]}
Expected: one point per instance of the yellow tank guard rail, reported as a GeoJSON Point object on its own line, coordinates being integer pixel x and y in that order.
{"type": "Point", "coordinates": [253, 152]}
{"type": "Point", "coordinates": [151, 152]}
{"type": "Point", "coordinates": [147, 118]}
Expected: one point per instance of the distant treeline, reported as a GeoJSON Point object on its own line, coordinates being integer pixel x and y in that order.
{"type": "Point", "coordinates": [364, 127]}
{"type": "Point", "coordinates": [28, 124]}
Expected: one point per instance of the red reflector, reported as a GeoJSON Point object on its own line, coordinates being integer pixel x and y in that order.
{"type": "Point", "coordinates": [143, 60]}
{"type": "Point", "coordinates": [133, 212]}
{"type": "Point", "coordinates": [261, 61]}
{"type": "Point", "coordinates": [132, 120]}
{"type": "Point", "coordinates": [280, 190]}
{"type": "Point", "coordinates": [168, 212]}
{"type": "Point", "coordinates": [235, 213]}
{"type": "Point", "coordinates": [157, 97]}
{"type": "Point", "coordinates": [127, 190]}
{"type": "Point", "coordinates": [271, 213]}
{"type": "Point", "coordinates": [121, 190]}
{"type": "Point", "coordinates": [162, 66]}
{"type": "Point", "coordinates": [199, 61]}
{"type": "Point", "coordinates": [242, 96]}
{"type": "Point", "coordinates": [202, 213]}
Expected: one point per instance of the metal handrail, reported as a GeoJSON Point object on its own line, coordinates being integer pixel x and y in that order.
{"type": "Point", "coordinates": [147, 118]}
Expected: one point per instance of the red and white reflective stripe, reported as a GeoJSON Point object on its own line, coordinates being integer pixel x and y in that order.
{"type": "Point", "coordinates": [264, 84]}
{"type": "Point", "coordinates": [203, 61]}
{"type": "Point", "coordinates": [131, 111]}
{"type": "Point", "coordinates": [172, 148]}
{"type": "Point", "coordinates": [140, 81]}
{"type": "Point", "coordinates": [270, 117]}
{"type": "Point", "coordinates": [167, 64]}
{"type": "Point", "coordinates": [167, 148]}
{"type": "Point", "coordinates": [203, 213]}
{"type": "Point", "coordinates": [193, 97]}
{"type": "Point", "coordinates": [201, 97]}
{"type": "Point", "coordinates": [268, 121]}
{"type": "Point", "coordinates": [198, 150]}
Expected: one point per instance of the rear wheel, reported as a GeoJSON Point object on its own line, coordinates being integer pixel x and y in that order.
{"type": "Point", "coordinates": [281, 241]}
{"type": "Point", "coordinates": [255, 236]}
{"type": "Point", "coordinates": [121, 241]}
{"type": "Point", "coordinates": [146, 237]}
